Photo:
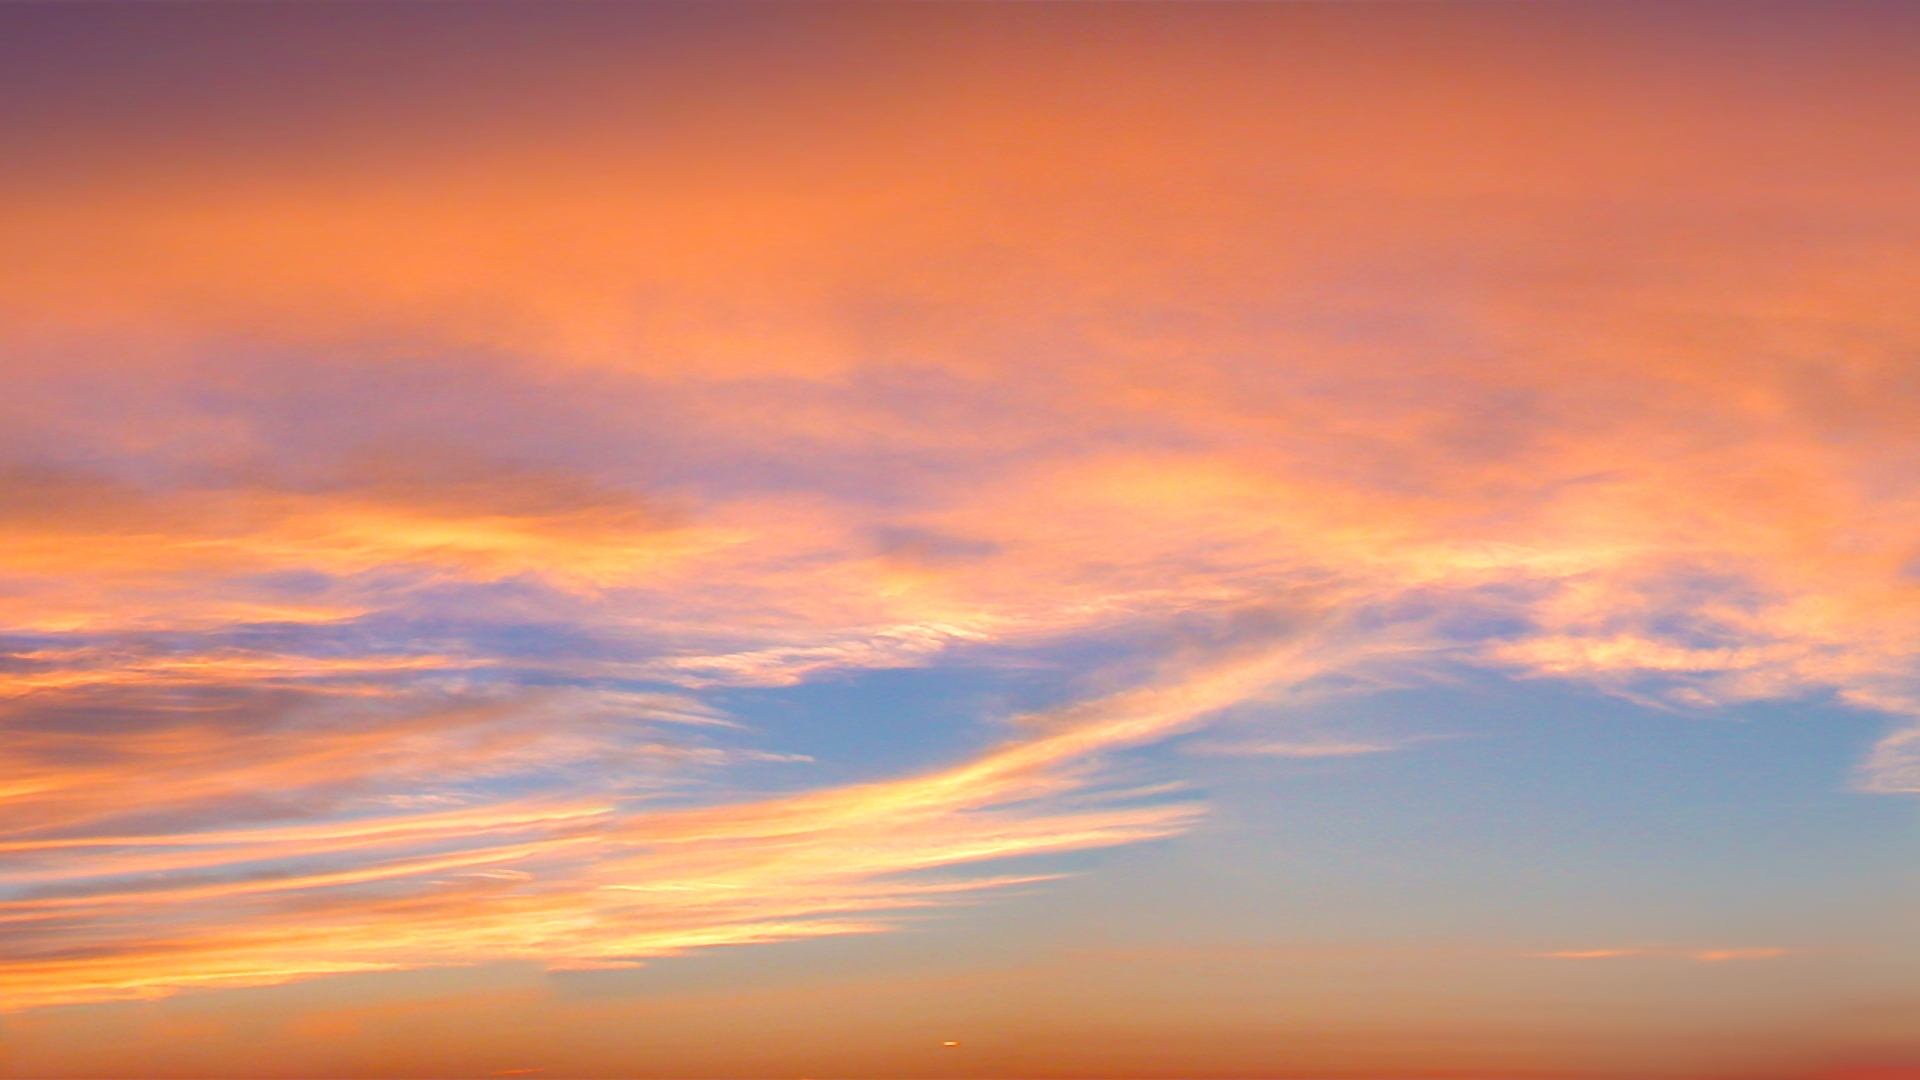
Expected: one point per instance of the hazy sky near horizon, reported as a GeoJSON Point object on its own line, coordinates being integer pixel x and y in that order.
{"type": "Point", "coordinates": [809, 540]}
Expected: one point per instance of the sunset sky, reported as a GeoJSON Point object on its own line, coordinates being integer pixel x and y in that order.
{"type": "Point", "coordinates": [1011, 541]}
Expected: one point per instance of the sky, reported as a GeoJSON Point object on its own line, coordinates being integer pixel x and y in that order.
{"type": "Point", "coordinates": [1017, 541]}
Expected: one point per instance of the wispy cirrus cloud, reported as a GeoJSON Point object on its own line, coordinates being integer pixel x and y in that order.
{"type": "Point", "coordinates": [378, 540]}
{"type": "Point", "coordinates": [101, 912]}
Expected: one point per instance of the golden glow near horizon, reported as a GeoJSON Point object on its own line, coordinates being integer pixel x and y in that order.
{"type": "Point", "coordinates": [391, 507]}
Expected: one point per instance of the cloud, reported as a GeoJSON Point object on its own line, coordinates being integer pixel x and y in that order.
{"type": "Point", "coordinates": [380, 538]}
{"type": "Point", "coordinates": [99, 914]}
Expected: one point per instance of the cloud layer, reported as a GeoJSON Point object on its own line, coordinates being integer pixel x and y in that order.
{"type": "Point", "coordinates": [381, 521]}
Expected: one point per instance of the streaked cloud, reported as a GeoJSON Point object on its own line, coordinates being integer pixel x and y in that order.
{"type": "Point", "coordinates": [569, 881]}
{"type": "Point", "coordinates": [380, 539]}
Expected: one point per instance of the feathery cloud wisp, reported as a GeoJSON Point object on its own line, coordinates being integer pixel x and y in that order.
{"type": "Point", "coordinates": [377, 537]}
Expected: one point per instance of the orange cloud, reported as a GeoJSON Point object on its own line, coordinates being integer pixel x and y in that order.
{"type": "Point", "coordinates": [581, 883]}
{"type": "Point", "coordinates": [1282, 370]}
